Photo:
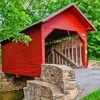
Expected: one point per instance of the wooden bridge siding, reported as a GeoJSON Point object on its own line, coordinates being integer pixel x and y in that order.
{"type": "Point", "coordinates": [70, 49]}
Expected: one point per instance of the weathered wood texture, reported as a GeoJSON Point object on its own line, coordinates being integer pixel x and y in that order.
{"type": "Point", "coordinates": [66, 53]}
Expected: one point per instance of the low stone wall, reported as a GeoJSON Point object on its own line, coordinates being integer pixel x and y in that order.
{"type": "Point", "coordinates": [38, 90]}
{"type": "Point", "coordinates": [57, 83]}
{"type": "Point", "coordinates": [94, 64]}
{"type": "Point", "coordinates": [61, 75]}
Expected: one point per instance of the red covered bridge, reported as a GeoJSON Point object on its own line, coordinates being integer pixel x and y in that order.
{"type": "Point", "coordinates": [58, 39]}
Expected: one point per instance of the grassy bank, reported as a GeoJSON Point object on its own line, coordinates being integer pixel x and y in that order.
{"type": "Point", "coordinates": [95, 95]}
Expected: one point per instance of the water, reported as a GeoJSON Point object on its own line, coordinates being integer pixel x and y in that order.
{"type": "Point", "coordinates": [13, 95]}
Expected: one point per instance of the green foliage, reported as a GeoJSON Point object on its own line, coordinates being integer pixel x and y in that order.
{"type": "Point", "coordinates": [68, 38]}
{"type": "Point", "coordinates": [91, 10]}
{"type": "Point", "coordinates": [93, 96]}
{"type": "Point", "coordinates": [18, 14]}
{"type": "Point", "coordinates": [14, 19]}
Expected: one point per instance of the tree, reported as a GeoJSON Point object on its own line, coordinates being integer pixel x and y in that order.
{"type": "Point", "coordinates": [14, 18]}
{"type": "Point", "coordinates": [92, 11]}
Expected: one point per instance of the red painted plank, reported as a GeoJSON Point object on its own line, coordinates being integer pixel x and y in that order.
{"type": "Point", "coordinates": [19, 58]}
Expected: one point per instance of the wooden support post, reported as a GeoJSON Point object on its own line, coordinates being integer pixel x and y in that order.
{"type": "Point", "coordinates": [68, 51]}
{"type": "Point", "coordinates": [58, 59]}
{"type": "Point", "coordinates": [62, 52]}
{"type": "Point", "coordinates": [48, 59]}
{"type": "Point", "coordinates": [65, 55]}
{"type": "Point", "coordinates": [72, 50]}
{"type": "Point", "coordinates": [65, 49]}
{"type": "Point", "coordinates": [84, 51]}
{"type": "Point", "coordinates": [80, 46]}
{"type": "Point", "coordinates": [53, 56]}
{"type": "Point", "coordinates": [61, 60]}
{"type": "Point", "coordinates": [76, 55]}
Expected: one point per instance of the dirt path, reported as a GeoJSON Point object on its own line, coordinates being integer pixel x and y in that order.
{"type": "Point", "coordinates": [88, 80]}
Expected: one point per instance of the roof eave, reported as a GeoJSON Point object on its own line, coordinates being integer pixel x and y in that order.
{"type": "Point", "coordinates": [91, 27]}
{"type": "Point", "coordinates": [35, 24]}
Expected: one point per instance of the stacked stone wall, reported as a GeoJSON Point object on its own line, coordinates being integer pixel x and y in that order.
{"type": "Point", "coordinates": [61, 75]}
{"type": "Point", "coordinates": [57, 82]}
{"type": "Point", "coordinates": [94, 64]}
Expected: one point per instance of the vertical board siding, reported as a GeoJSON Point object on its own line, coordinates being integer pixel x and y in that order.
{"type": "Point", "coordinates": [58, 52]}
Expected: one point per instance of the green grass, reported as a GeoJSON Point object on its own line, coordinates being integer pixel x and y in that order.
{"type": "Point", "coordinates": [95, 95]}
